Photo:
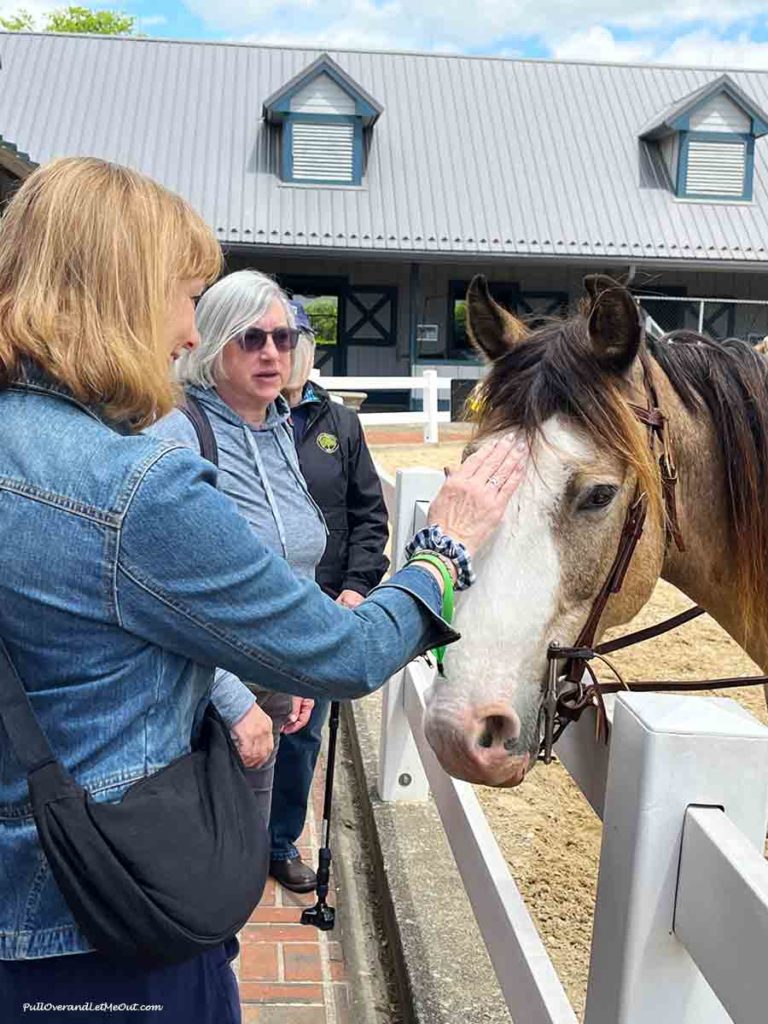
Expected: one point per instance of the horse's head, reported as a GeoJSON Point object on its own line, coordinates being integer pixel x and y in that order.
{"type": "Point", "coordinates": [565, 387]}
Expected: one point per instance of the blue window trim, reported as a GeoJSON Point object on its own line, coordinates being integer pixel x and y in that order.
{"type": "Point", "coordinates": [357, 147]}
{"type": "Point", "coordinates": [683, 122]}
{"type": "Point", "coordinates": [686, 137]}
{"type": "Point", "coordinates": [362, 107]}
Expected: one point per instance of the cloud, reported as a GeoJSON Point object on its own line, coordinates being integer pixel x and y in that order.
{"type": "Point", "coordinates": [705, 48]}
{"type": "Point", "coordinates": [599, 43]}
{"type": "Point", "coordinates": [38, 10]}
{"type": "Point", "coordinates": [683, 32]}
{"type": "Point", "coordinates": [491, 26]}
{"type": "Point", "coordinates": [700, 47]}
{"type": "Point", "coordinates": [362, 24]}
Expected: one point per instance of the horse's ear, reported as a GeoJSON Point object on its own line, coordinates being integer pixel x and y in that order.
{"type": "Point", "coordinates": [492, 329]}
{"type": "Point", "coordinates": [613, 321]}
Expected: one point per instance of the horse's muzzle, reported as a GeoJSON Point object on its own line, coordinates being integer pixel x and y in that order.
{"type": "Point", "coordinates": [480, 745]}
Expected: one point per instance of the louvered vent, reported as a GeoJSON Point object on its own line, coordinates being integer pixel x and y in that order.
{"type": "Point", "coordinates": [716, 168]}
{"type": "Point", "coordinates": [323, 152]}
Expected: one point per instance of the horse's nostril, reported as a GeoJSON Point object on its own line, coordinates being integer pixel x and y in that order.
{"type": "Point", "coordinates": [499, 730]}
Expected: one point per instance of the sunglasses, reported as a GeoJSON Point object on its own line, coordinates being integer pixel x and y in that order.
{"type": "Point", "coordinates": [254, 339]}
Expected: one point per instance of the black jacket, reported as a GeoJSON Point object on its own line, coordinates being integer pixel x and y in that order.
{"type": "Point", "coordinates": [342, 479]}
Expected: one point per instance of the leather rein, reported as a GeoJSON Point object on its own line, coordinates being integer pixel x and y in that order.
{"type": "Point", "coordinates": [566, 696]}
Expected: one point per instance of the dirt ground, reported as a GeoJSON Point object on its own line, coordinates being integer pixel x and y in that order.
{"type": "Point", "coordinates": [546, 830]}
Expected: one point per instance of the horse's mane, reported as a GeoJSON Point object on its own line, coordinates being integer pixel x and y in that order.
{"type": "Point", "coordinates": [729, 381]}
{"type": "Point", "coordinates": [554, 372]}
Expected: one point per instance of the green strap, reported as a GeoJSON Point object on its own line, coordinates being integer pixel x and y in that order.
{"type": "Point", "coordinates": [447, 609]}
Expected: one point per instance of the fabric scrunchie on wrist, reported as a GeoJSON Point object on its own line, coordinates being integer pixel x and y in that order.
{"type": "Point", "coordinates": [432, 538]}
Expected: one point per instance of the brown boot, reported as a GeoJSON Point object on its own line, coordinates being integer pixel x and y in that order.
{"type": "Point", "coordinates": [293, 874]}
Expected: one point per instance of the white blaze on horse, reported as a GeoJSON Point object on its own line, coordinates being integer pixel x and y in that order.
{"type": "Point", "coordinates": [573, 388]}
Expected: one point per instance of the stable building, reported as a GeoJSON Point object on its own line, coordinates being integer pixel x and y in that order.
{"type": "Point", "coordinates": [375, 185]}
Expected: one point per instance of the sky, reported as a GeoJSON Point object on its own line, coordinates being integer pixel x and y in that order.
{"type": "Point", "coordinates": [722, 33]}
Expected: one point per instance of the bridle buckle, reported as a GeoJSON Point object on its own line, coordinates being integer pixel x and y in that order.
{"type": "Point", "coordinates": [548, 710]}
{"type": "Point", "coordinates": [564, 697]}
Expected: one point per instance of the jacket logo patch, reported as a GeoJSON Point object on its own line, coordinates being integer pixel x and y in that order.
{"type": "Point", "coordinates": [328, 443]}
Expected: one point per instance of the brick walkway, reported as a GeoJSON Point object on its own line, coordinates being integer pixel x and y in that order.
{"type": "Point", "coordinates": [291, 973]}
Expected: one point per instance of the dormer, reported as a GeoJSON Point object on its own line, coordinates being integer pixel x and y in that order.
{"type": "Point", "coordinates": [707, 140]}
{"type": "Point", "coordinates": [322, 114]}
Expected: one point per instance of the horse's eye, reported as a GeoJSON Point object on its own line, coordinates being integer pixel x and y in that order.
{"type": "Point", "coordinates": [598, 497]}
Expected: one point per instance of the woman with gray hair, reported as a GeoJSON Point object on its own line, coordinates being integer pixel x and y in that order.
{"type": "Point", "coordinates": [236, 417]}
{"type": "Point", "coordinates": [341, 477]}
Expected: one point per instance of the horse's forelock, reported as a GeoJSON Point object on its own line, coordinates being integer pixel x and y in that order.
{"type": "Point", "coordinates": [554, 372]}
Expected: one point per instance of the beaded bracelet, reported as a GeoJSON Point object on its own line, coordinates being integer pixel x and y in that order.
{"type": "Point", "coordinates": [432, 538]}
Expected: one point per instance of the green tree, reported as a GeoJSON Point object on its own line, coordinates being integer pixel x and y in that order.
{"type": "Point", "coordinates": [323, 314]}
{"type": "Point", "coordinates": [460, 322]}
{"type": "Point", "coordinates": [73, 19]}
{"type": "Point", "coordinates": [21, 21]}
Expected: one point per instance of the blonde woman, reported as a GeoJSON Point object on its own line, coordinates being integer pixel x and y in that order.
{"type": "Point", "coordinates": [126, 576]}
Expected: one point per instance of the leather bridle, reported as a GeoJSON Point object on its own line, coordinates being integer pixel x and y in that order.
{"type": "Point", "coordinates": [566, 696]}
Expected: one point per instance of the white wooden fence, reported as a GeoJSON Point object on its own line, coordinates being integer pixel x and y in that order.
{"type": "Point", "coordinates": [429, 383]}
{"type": "Point", "coordinates": [681, 922]}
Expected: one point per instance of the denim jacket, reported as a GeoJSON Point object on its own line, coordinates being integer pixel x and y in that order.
{"type": "Point", "coordinates": [125, 577]}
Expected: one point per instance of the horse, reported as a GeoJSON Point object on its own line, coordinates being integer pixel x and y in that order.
{"type": "Point", "coordinates": [572, 388]}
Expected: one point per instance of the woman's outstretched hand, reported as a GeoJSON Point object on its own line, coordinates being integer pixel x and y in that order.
{"type": "Point", "coordinates": [473, 499]}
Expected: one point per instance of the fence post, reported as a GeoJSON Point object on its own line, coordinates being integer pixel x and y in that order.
{"type": "Point", "coordinates": [401, 775]}
{"type": "Point", "coordinates": [668, 751]}
{"type": "Point", "coordinates": [431, 432]}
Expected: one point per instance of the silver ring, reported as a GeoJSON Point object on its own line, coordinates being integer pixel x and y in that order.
{"type": "Point", "coordinates": [494, 481]}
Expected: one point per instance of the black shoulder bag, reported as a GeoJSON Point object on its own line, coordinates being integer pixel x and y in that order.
{"type": "Point", "coordinates": [206, 438]}
{"type": "Point", "coordinates": [171, 870]}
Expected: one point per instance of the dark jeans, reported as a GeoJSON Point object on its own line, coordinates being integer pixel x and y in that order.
{"type": "Point", "coordinates": [294, 768]}
{"type": "Point", "coordinates": [200, 991]}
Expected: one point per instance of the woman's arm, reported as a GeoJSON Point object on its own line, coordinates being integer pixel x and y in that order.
{"type": "Point", "coordinates": [230, 696]}
{"type": "Point", "coordinates": [192, 577]}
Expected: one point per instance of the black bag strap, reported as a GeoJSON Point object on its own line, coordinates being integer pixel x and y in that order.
{"type": "Point", "coordinates": [29, 742]}
{"type": "Point", "coordinates": [198, 417]}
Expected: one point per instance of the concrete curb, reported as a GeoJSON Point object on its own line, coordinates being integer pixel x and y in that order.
{"type": "Point", "coordinates": [442, 970]}
{"type": "Point", "coordinates": [372, 999]}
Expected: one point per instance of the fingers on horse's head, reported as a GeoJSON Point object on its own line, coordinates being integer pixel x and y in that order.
{"type": "Point", "coordinates": [492, 329]}
{"type": "Point", "coordinates": [613, 323]}
{"type": "Point", "coordinates": [469, 449]}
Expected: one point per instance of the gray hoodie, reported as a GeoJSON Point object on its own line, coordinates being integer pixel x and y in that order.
{"type": "Point", "coordinates": [259, 470]}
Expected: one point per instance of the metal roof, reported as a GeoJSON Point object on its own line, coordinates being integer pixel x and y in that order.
{"type": "Point", "coordinates": [471, 157]}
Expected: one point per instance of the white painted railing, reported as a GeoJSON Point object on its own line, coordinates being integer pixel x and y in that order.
{"type": "Point", "coordinates": [429, 383]}
{"type": "Point", "coordinates": [681, 920]}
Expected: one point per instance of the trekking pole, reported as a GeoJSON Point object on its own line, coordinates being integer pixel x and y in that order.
{"type": "Point", "coordinates": [321, 915]}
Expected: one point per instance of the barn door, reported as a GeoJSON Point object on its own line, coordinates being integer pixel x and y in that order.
{"type": "Point", "coordinates": [537, 306]}
{"type": "Point", "coordinates": [370, 330]}
{"type": "Point", "coordinates": [719, 320]}
{"type": "Point", "coordinates": [323, 299]}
